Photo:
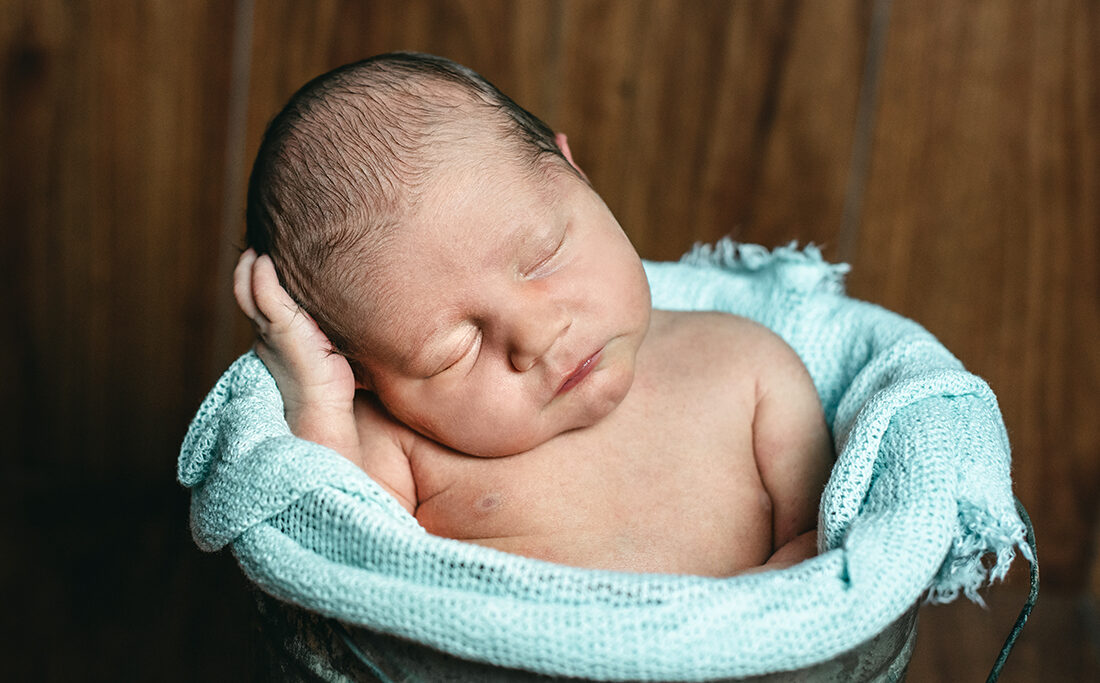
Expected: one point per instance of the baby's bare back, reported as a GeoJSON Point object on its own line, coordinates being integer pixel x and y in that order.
{"type": "Point", "coordinates": [671, 481]}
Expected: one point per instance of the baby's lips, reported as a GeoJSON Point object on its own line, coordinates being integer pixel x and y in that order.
{"type": "Point", "coordinates": [580, 372]}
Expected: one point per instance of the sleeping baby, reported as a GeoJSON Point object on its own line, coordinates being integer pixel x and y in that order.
{"type": "Point", "coordinates": [444, 300]}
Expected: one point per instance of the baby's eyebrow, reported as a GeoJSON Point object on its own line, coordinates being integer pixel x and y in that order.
{"type": "Point", "coordinates": [392, 327]}
{"type": "Point", "coordinates": [422, 352]}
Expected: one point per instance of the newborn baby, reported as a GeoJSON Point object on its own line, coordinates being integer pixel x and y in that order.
{"type": "Point", "coordinates": [444, 300]}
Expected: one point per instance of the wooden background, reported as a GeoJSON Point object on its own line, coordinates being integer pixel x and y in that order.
{"type": "Point", "coordinates": [949, 151]}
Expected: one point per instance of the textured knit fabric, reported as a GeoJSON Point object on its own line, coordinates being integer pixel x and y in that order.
{"type": "Point", "coordinates": [919, 494]}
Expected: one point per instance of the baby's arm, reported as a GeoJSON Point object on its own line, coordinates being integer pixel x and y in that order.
{"type": "Point", "coordinates": [793, 450]}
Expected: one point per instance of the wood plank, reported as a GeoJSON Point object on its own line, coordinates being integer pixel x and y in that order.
{"type": "Point", "coordinates": [697, 120]}
{"type": "Point", "coordinates": [980, 223]}
{"type": "Point", "coordinates": [114, 117]}
{"type": "Point", "coordinates": [686, 139]}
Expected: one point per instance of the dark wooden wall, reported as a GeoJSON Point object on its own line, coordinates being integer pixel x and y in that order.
{"type": "Point", "coordinates": [949, 151]}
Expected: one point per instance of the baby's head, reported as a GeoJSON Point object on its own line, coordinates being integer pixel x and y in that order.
{"type": "Point", "coordinates": [444, 241]}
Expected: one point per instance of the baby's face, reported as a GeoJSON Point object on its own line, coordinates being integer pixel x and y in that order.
{"type": "Point", "coordinates": [506, 310]}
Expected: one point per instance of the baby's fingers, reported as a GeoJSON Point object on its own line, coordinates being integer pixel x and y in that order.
{"type": "Point", "coordinates": [272, 301]}
{"type": "Point", "coordinates": [242, 285]}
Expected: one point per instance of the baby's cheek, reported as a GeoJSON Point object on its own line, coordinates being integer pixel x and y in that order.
{"type": "Point", "coordinates": [505, 439]}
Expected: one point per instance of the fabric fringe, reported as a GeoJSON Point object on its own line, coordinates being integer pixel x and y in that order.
{"type": "Point", "coordinates": [980, 556]}
{"type": "Point", "coordinates": [803, 269]}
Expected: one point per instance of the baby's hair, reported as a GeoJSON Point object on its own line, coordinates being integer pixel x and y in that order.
{"type": "Point", "coordinates": [348, 154]}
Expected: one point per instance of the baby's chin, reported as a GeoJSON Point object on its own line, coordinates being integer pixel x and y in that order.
{"type": "Point", "coordinates": [586, 407]}
{"type": "Point", "coordinates": [503, 448]}
{"type": "Point", "coordinates": [515, 439]}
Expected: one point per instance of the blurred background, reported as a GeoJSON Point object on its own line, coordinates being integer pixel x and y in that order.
{"type": "Point", "coordinates": [949, 151]}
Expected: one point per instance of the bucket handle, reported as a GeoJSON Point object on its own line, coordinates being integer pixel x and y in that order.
{"type": "Point", "coordinates": [1033, 595]}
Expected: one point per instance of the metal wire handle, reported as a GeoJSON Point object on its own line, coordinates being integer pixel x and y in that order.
{"type": "Point", "coordinates": [1032, 596]}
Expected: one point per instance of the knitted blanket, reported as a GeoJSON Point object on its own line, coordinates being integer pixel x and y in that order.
{"type": "Point", "coordinates": [920, 493]}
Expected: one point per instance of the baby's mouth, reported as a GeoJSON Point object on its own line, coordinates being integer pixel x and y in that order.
{"type": "Point", "coordinates": [583, 370]}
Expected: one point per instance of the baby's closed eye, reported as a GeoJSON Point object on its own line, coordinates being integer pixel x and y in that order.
{"type": "Point", "coordinates": [546, 261]}
{"type": "Point", "coordinates": [464, 350]}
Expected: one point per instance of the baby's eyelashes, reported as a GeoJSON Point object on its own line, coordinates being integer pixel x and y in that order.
{"type": "Point", "coordinates": [467, 350]}
{"type": "Point", "coordinates": [547, 262]}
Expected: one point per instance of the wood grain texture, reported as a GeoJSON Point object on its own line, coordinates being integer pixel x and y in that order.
{"type": "Point", "coordinates": [981, 220]}
{"type": "Point", "coordinates": [695, 118]}
{"type": "Point", "coordinates": [113, 122]}
{"type": "Point", "coordinates": [701, 119]}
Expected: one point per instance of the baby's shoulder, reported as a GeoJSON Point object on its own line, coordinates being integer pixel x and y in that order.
{"type": "Point", "coordinates": [715, 337]}
{"type": "Point", "coordinates": [708, 352]}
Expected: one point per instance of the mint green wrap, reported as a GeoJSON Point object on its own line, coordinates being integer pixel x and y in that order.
{"type": "Point", "coordinates": [920, 493]}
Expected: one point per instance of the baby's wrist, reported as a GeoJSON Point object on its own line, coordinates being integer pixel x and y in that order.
{"type": "Point", "coordinates": [330, 426]}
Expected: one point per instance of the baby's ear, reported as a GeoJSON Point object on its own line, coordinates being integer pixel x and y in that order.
{"type": "Point", "coordinates": [563, 144]}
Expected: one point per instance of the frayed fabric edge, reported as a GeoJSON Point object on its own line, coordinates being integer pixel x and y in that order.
{"type": "Point", "coordinates": [966, 570]}
{"type": "Point", "coordinates": [803, 269]}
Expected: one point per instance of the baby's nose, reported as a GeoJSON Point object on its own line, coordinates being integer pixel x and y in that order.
{"type": "Point", "coordinates": [533, 334]}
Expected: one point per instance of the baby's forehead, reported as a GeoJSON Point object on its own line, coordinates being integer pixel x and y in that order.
{"type": "Point", "coordinates": [480, 215]}
{"type": "Point", "coordinates": [473, 206]}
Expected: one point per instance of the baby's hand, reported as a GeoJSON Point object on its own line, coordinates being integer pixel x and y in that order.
{"type": "Point", "coordinates": [316, 382]}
